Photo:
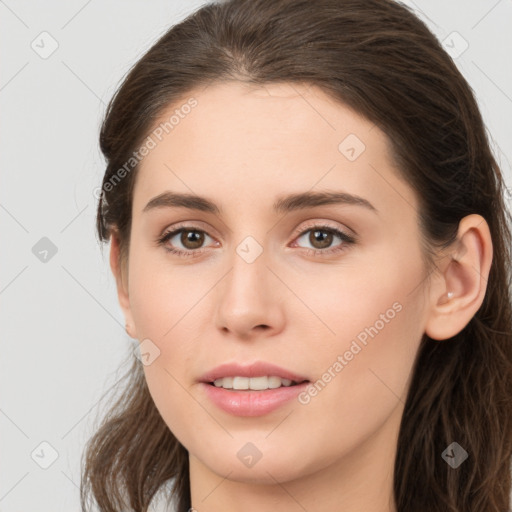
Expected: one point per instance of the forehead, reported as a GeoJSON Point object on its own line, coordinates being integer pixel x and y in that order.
{"type": "Point", "coordinates": [256, 141]}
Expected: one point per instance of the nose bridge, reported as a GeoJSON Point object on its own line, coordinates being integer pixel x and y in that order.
{"type": "Point", "coordinates": [248, 277]}
{"type": "Point", "coordinates": [248, 255]}
{"type": "Point", "coordinates": [248, 297]}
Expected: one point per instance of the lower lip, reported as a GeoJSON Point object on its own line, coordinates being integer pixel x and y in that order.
{"type": "Point", "coordinates": [251, 403]}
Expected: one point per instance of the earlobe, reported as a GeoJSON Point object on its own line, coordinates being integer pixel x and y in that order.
{"type": "Point", "coordinates": [121, 284]}
{"type": "Point", "coordinates": [460, 286]}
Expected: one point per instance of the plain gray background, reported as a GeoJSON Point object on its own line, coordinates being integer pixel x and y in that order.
{"type": "Point", "coordinates": [63, 336]}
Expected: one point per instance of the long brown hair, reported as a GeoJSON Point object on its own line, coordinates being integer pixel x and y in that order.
{"type": "Point", "coordinates": [377, 57]}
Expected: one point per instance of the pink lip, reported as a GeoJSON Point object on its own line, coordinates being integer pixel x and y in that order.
{"type": "Point", "coordinates": [256, 369]}
{"type": "Point", "coordinates": [251, 403]}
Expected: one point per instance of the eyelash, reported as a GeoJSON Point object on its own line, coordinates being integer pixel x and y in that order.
{"type": "Point", "coordinates": [348, 240]}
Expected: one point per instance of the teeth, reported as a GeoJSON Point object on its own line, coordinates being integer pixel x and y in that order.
{"type": "Point", "coordinates": [254, 383]}
{"type": "Point", "coordinates": [241, 383]}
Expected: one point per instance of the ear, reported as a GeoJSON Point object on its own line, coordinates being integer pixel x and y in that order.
{"type": "Point", "coordinates": [465, 275]}
{"type": "Point", "coordinates": [121, 277]}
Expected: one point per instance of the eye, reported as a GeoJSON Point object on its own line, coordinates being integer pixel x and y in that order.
{"type": "Point", "coordinates": [322, 237]}
{"type": "Point", "coordinates": [190, 238]}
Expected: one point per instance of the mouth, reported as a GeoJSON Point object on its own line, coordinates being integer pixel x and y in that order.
{"type": "Point", "coordinates": [252, 396]}
{"type": "Point", "coordinates": [261, 383]}
{"type": "Point", "coordinates": [254, 376]}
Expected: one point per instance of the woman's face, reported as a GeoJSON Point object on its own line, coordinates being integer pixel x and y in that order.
{"type": "Point", "coordinates": [264, 284]}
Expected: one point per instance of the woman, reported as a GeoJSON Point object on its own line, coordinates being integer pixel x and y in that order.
{"type": "Point", "coordinates": [310, 243]}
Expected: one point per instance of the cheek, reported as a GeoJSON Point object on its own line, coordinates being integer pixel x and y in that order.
{"type": "Point", "coordinates": [368, 296]}
{"type": "Point", "coordinates": [362, 372]}
{"type": "Point", "coordinates": [164, 296]}
{"type": "Point", "coordinates": [165, 304]}
{"type": "Point", "coordinates": [370, 329]}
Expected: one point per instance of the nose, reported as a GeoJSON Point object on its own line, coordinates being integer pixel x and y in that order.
{"type": "Point", "coordinates": [250, 299]}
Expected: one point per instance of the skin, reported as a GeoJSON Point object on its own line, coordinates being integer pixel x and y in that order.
{"type": "Point", "coordinates": [242, 147]}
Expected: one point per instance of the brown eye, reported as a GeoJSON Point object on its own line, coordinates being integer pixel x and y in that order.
{"type": "Point", "coordinates": [184, 241]}
{"type": "Point", "coordinates": [191, 242]}
{"type": "Point", "coordinates": [192, 239]}
{"type": "Point", "coordinates": [320, 238]}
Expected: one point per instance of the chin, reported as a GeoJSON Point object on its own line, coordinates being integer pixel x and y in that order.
{"type": "Point", "coordinates": [282, 466]}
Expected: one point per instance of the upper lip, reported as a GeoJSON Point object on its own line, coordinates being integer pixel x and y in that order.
{"type": "Point", "coordinates": [255, 369]}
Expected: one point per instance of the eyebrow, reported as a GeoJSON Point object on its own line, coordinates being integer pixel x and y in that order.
{"type": "Point", "coordinates": [284, 204]}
